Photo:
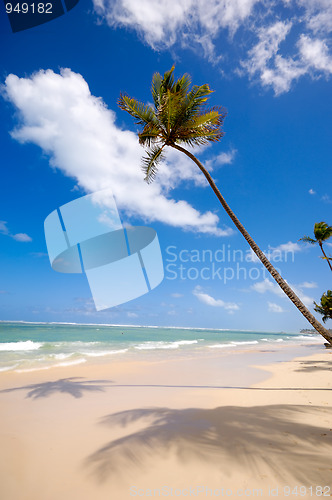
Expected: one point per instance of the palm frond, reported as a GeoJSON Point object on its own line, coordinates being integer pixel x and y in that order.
{"type": "Point", "coordinates": [168, 80]}
{"type": "Point", "coordinates": [307, 239]}
{"type": "Point", "coordinates": [156, 89]}
{"type": "Point", "coordinates": [214, 116]}
{"type": "Point", "coordinates": [198, 95]}
{"type": "Point", "coordinates": [168, 110]}
{"type": "Point", "coordinates": [151, 161]}
{"type": "Point", "coordinates": [195, 138]}
{"type": "Point", "coordinates": [150, 134]}
{"type": "Point", "coordinates": [192, 104]}
{"type": "Point", "coordinates": [182, 84]}
{"type": "Point", "coordinates": [141, 112]}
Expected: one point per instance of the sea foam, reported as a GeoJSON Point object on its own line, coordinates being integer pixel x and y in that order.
{"type": "Point", "coordinates": [27, 345]}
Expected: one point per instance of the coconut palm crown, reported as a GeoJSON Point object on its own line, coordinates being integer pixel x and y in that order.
{"type": "Point", "coordinates": [322, 233]}
{"type": "Point", "coordinates": [179, 116]}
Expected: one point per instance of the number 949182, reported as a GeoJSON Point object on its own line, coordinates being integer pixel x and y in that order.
{"type": "Point", "coordinates": [29, 8]}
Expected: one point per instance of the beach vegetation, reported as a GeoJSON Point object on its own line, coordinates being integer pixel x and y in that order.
{"type": "Point", "coordinates": [325, 306]}
{"type": "Point", "coordinates": [179, 117]}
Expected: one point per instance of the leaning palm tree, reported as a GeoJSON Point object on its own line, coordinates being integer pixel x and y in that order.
{"type": "Point", "coordinates": [179, 116]}
{"type": "Point", "coordinates": [322, 233]}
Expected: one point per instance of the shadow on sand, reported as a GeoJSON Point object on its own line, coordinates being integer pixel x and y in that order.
{"type": "Point", "coordinates": [313, 366]}
{"type": "Point", "coordinates": [76, 387]}
{"type": "Point", "coordinates": [262, 439]}
{"type": "Point", "coordinates": [73, 386]}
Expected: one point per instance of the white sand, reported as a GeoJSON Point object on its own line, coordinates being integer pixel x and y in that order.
{"type": "Point", "coordinates": [172, 429]}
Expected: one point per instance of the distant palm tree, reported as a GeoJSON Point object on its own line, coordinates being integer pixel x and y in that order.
{"type": "Point", "coordinates": [179, 116]}
{"type": "Point", "coordinates": [322, 233]}
{"type": "Point", "coordinates": [325, 306]}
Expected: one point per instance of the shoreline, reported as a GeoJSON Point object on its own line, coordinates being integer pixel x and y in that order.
{"type": "Point", "coordinates": [245, 365]}
{"type": "Point", "coordinates": [117, 430]}
{"type": "Point", "coordinates": [42, 347]}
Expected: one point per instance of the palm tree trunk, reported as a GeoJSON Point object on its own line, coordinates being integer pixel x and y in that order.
{"type": "Point", "coordinates": [321, 247]}
{"type": "Point", "coordinates": [274, 273]}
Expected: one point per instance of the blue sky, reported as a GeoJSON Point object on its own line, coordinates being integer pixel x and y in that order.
{"type": "Point", "coordinates": [62, 136]}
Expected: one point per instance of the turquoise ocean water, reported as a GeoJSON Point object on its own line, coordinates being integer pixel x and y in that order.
{"type": "Point", "coordinates": [35, 346]}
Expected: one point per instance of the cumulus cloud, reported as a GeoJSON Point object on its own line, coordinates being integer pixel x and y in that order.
{"type": "Point", "coordinates": [18, 237]}
{"type": "Point", "coordinates": [279, 53]}
{"type": "Point", "coordinates": [268, 286]}
{"type": "Point", "coordinates": [224, 158]}
{"type": "Point", "coordinates": [165, 22]}
{"type": "Point", "coordinates": [263, 59]}
{"type": "Point", "coordinates": [284, 252]}
{"type": "Point", "coordinates": [315, 54]}
{"type": "Point", "coordinates": [308, 284]}
{"type": "Point", "coordinates": [21, 237]}
{"type": "Point", "coordinates": [281, 253]}
{"type": "Point", "coordinates": [274, 70]}
{"type": "Point", "coordinates": [275, 308]}
{"type": "Point", "coordinates": [317, 15]}
{"type": "Point", "coordinates": [79, 134]}
{"type": "Point", "coordinates": [211, 301]}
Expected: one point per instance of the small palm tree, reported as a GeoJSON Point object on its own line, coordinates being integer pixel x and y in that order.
{"type": "Point", "coordinates": [325, 306]}
{"type": "Point", "coordinates": [322, 233]}
{"type": "Point", "coordinates": [179, 116]}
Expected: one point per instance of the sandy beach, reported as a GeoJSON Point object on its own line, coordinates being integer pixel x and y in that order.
{"type": "Point", "coordinates": [244, 425]}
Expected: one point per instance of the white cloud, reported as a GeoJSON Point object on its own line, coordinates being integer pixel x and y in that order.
{"type": "Point", "coordinates": [263, 59]}
{"type": "Point", "coordinates": [284, 252]}
{"type": "Point", "coordinates": [211, 301]}
{"type": "Point", "coordinates": [198, 25]}
{"type": "Point", "coordinates": [275, 308]}
{"type": "Point", "coordinates": [21, 237]}
{"type": "Point", "coordinates": [311, 191]}
{"type": "Point", "coordinates": [163, 23]}
{"type": "Point", "coordinates": [268, 286]}
{"type": "Point", "coordinates": [3, 227]}
{"type": "Point", "coordinates": [224, 158]}
{"type": "Point", "coordinates": [281, 253]}
{"type": "Point", "coordinates": [79, 133]}
{"type": "Point", "coordinates": [277, 71]}
{"type": "Point", "coordinates": [318, 15]}
{"type": "Point", "coordinates": [315, 54]}
{"type": "Point", "coordinates": [288, 247]}
{"type": "Point", "coordinates": [268, 45]}
{"type": "Point", "coordinates": [326, 198]}
{"type": "Point", "coordinates": [308, 284]}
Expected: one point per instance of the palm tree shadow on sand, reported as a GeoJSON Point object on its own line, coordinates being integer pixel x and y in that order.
{"type": "Point", "coordinates": [74, 386]}
{"type": "Point", "coordinates": [314, 366]}
{"type": "Point", "coordinates": [262, 439]}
